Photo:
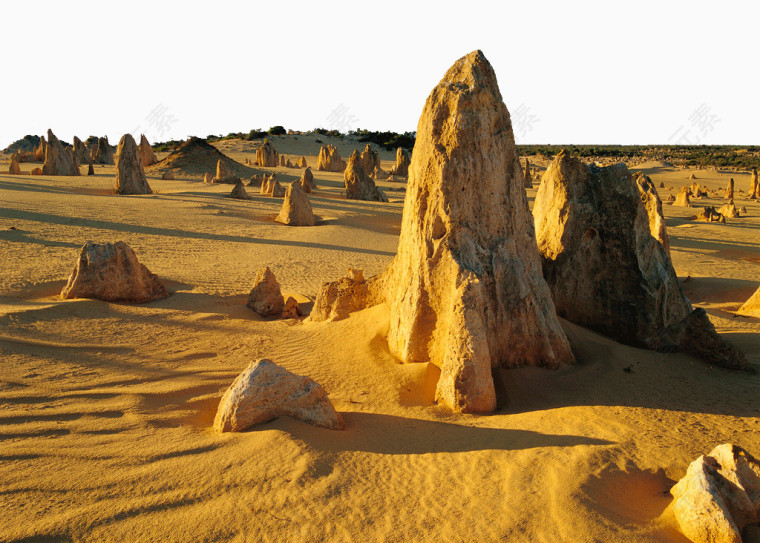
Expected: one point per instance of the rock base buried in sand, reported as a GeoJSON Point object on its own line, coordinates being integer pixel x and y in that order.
{"type": "Point", "coordinates": [265, 297]}
{"type": "Point", "coordinates": [111, 272]}
{"type": "Point", "coordinates": [752, 306]}
{"type": "Point", "coordinates": [265, 391]}
{"type": "Point", "coordinates": [292, 309]}
{"type": "Point", "coordinates": [239, 192]}
{"type": "Point", "coordinates": [719, 496]}
{"type": "Point", "coordinates": [296, 209]}
{"type": "Point", "coordinates": [337, 299]}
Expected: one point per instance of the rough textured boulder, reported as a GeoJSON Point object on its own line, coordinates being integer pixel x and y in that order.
{"type": "Point", "coordinates": [307, 181]}
{"type": "Point", "coordinates": [296, 209]}
{"type": "Point", "coordinates": [369, 159]}
{"type": "Point", "coordinates": [752, 306]}
{"type": "Point", "coordinates": [130, 177]}
{"type": "Point", "coordinates": [265, 391]}
{"type": "Point", "coordinates": [402, 163]}
{"type": "Point", "coordinates": [292, 309]}
{"type": "Point", "coordinates": [730, 189]}
{"type": "Point", "coordinates": [168, 175]}
{"type": "Point", "coordinates": [265, 297]}
{"type": "Point", "coordinates": [653, 205]}
{"type": "Point", "coordinates": [465, 290]}
{"type": "Point", "coordinates": [58, 160]}
{"type": "Point", "coordinates": [379, 174]}
{"type": "Point", "coordinates": [266, 155]}
{"type": "Point", "coordinates": [271, 187]}
{"type": "Point", "coordinates": [719, 496]}
{"type": "Point", "coordinates": [39, 151]}
{"type": "Point", "coordinates": [682, 199]}
{"type": "Point", "coordinates": [239, 192]}
{"type": "Point", "coordinates": [14, 169]}
{"type": "Point", "coordinates": [301, 163]}
{"type": "Point", "coordinates": [329, 159]}
{"type": "Point", "coordinates": [80, 151]}
{"type": "Point", "coordinates": [729, 210]}
{"type": "Point", "coordinates": [147, 156]}
{"type": "Point", "coordinates": [111, 272]}
{"type": "Point", "coordinates": [526, 176]}
{"type": "Point", "coordinates": [754, 186]}
{"type": "Point", "coordinates": [605, 269]}
{"type": "Point", "coordinates": [337, 299]}
{"type": "Point", "coordinates": [224, 174]}
{"type": "Point", "coordinates": [709, 214]}
{"type": "Point", "coordinates": [359, 186]}
{"type": "Point", "coordinates": [697, 192]}
{"type": "Point", "coordinates": [103, 153]}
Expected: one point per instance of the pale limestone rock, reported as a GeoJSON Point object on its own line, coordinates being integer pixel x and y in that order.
{"type": "Point", "coordinates": [239, 192]}
{"type": "Point", "coordinates": [265, 391]}
{"type": "Point", "coordinates": [147, 156]}
{"type": "Point", "coordinates": [90, 169]}
{"type": "Point", "coordinates": [265, 297]}
{"type": "Point", "coordinates": [692, 177]}
{"type": "Point", "coordinates": [719, 496]}
{"type": "Point", "coordinates": [359, 186]}
{"type": "Point", "coordinates": [274, 188]}
{"type": "Point", "coordinates": [289, 164]}
{"type": "Point", "coordinates": [605, 269]}
{"type": "Point", "coordinates": [329, 159]}
{"type": "Point", "coordinates": [296, 209]}
{"type": "Point", "coordinates": [752, 306]}
{"type": "Point", "coordinates": [256, 180]}
{"type": "Point", "coordinates": [39, 151]}
{"type": "Point", "coordinates": [292, 309]}
{"type": "Point", "coordinates": [729, 210]}
{"type": "Point", "coordinates": [80, 151]}
{"type": "Point", "coordinates": [754, 186]}
{"type": "Point", "coordinates": [682, 199]}
{"type": "Point", "coordinates": [401, 168]}
{"type": "Point", "coordinates": [266, 155]}
{"type": "Point", "coordinates": [208, 177]}
{"type": "Point", "coordinates": [709, 214]}
{"type": "Point", "coordinates": [526, 176]}
{"type": "Point", "coordinates": [465, 290]}
{"type": "Point", "coordinates": [653, 205]}
{"type": "Point", "coordinates": [130, 177]}
{"type": "Point", "coordinates": [103, 153]}
{"type": "Point", "coordinates": [307, 181]}
{"type": "Point", "coordinates": [301, 163]}
{"type": "Point", "coordinates": [379, 174]}
{"type": "Point", "coordinates": [111, 272]}
{"type": "Point", "coordinates": [14, 169]}
{"type": "Point", "coordinates": [224, 174]}
{"type": "Point", "coordinates": [697, 192]}
{"type": "Point", "coordinates": [730, 189]}
{"type": "Point", "coordinates": [337, 299]}
{"type": "Point", "coordinates": [58, 160]}
{"type": "Point", "coordinates": [369, 159]}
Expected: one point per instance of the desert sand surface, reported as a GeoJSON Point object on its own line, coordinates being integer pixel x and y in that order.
{"type": "Point", "coordinates": [106, 409]}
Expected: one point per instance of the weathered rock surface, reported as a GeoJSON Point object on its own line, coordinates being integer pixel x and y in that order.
{"type": "Point", "coordinates": [208, 177]}
{"type": "Point", "coordinates": [369, 159]}
{"type": "Point", "coordinates": [292, 309]}
{"type": "Point", "coordinates": [719, 496]}
{"type": "Point", "coordinates": [692, 177]}
{"type": "Point", "coordinates": [526, 176]}
{"type": "Point", "coordinates": [697, 192]}
{"type": "Point", "coordinates": [754, 186]}
{"type": "Point", "coordinates": [465, 290]}
{"type": "Point", "coordinates": [307, 181]}
{"type": "Point", "coordinates": [267, 156]}
{"type": "Point", "coordinates": [402, 163]}
{"type": "Point", "coordinates": [168, 175]}
{"type": "Point", "coordinates": [282, 160]}
{"type": "Point", "coordinates": [103, 152]}
{"type": "Point", "coordinates": [329, 159]}
{"type": "Point", "coordinates": [296, 209]}
{"type": "Point", "coordinates": [111, 272]}
{"type": "Point", "coordinates": [15, 168]}
{"type": "Point", "coordinates": [271, 187]}
{"type": "Point", "coordinates": [224, 174]}
{"type": "Point", "coordinates": [709, 214]}
{"type": "Point", "coordinates": [337, 299]}
{"type": "Point", "coordinates": [605, 269]}
{"type": "Point", "coordinates": [256, 181]}
{"type": "Point", "coordinates": [682, 199]}
{"type": "Point", "coordinates": [265, 297]}
{"type": "Point", "coordinates": [729, 210]}
{"type": "Point", "coordinates": [265, 391]}
{"type": "Point", "coordinates": [653, 205]}
{"type": "Point", "coordinates": [80, 151]}
{"type": "Point", "coordinates": [90, 169]}
{"type": "Point", "coordinates": [730, 189]}
{"type": "Point", "coordinates": [239, 192]}
{"type": "Point", "coordinates": [39, 151]}
{"type": "Point", "coordinates": [359, 185]}
{"type": "Point", "coordinates": [379, 174]}
{"type": "Point", "coordinates": [752, 306]}
{"type": "Point", "coordinates": [130, 177]}
{"type": "Point", "coordinates": [147, 156]}
{"type": "Point", "coordinates": [301, 163]}
{"type": "Point", "coordinates": [58, 160]}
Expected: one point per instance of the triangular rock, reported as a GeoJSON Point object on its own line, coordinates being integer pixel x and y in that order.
{"type": "Point", "coordinates": [307, 181]}
{"type": "Point", "coordinates": [130, 177]}
{"type": "Point", "coordinates": [682, 199]}
{"type": "Point", "coordinates": [239, 192]}
{"type": "Point", "coordinates": [266, 155]}
{"type": "Point", "coordinates": [296, 209]}
{"type": "Point", "coordinates": [39, 151]}
{"type": "Point", "coordinates": [653, 205]}
{"type": "Point", "coordinates": [224, 174]}
{"type": "Point", "coordinates": [265, 297]}
{"type": "Point", "coordinates": [80, 151]}
{"type": "Point", "coordinates": [58, 161]}
{"type": "Point", "coordinates": [369, 159]}
{"type": "Point", "coordinates": [14, 169]}
{"type": "Point", "coordinates": [329, 159]}
{"type": "Point", "coordinates": [103, 153]}
{"type": "Point", "coordinates": [359, 185]}
{"type": "Point", "coordinates": [147, 156]}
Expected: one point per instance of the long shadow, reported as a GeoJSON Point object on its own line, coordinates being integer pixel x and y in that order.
{"type": "Point", "coordinates": [49, 218]}
{"type": "Point", "coordinates": [392, 435]}
{"type": "Point", "coordinates": [19, 236]}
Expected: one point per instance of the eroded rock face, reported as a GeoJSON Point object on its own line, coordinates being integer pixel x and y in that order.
{"type": "Point", "coordinates": [130, 177]}
{"type": "Point", "coordinates": [369, 159]}
{"type": "Point", "coordinates": [147, 156]}
{"type": "Point", "coordinates": [168, 175]}
{"type": "Point", "coordinates": [379, 174]}
{"type": "Point", "coordinates": [730, 189]}
{"type": "Point", "coordinates": [103, 153]}
{"type": "Point", "coordinates": [605, 269]}
{"type": "Point", "coordinates": [292, 309]}
{"type": "Point", "coordinates": [754, 186]}
{"type": "Point", "coordinates": [337, 299]}
{"type": "Point", "coordinates": [719, 496]}
{"type": "Point", "coordinates": [267, 156]}
{"type": "Point", "coordinates": [329, 159]}
{"type": "Point", "coordinates": [90, 169]}
{"type": "Point", "coordinates": [653, 205]}
{"type": "Point", "coordinates": [224, 174]}
{"type": "Point", "coordinates": [15, 168]}
{"type": "Point", "coordinates": [265, 297]}
{"type": "Point", "coordinates": [296, 209]}
{"type": "Point", "coordinates": [307, 181]}
{"type": "Point", "coordinates": [301, 163]}
{"type": "Point", "coordinates": [465, 290]}
{"type": "Point", "coordinates": [402, 163]}
{"type": "Point", "coordinates": [682, 199]}
{"type": "Point", "coordinates": [239, 192]}
{"type": "Point", "coordinates": [58, 160]}
{"type": "Point", "coordinates": [729, 210]}
{"type": "Point", "coordinates": [274, 188]}
{"type": "Point", "coordinates": [39, 151]}
{"type": "Point", "coordinates": [208, 177]}
{"type": "Point", "coordinates": [709, 214]}
{"type": "Point", "coordinates": [526, 176]}
{"type": "Point", "coordinates": [359, 185]}
{"type": "Point", "coordinates": [80, 151]}
{"type": "Point", "coordinates": [752, 306]}
{"type": "Point", "coordinates": [265, 391]}
{"type": "Point", "coordinates": [111, 272]}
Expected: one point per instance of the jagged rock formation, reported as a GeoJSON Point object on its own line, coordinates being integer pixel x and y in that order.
{"type": "Point", "coordinates": [719, 496]}
{"type": "Point", "coordinates": [103, 153]}
{"type": "Point", "coordinates": [697, 192]}
{"type": "Point", "coordinates": [653, 205]}
{"type": "Point", "coordinates": [265, 391]}
{"type": "Point", "coordinates": [359, 186]}
{"type": "Point", "coordinates": [337, 299]}
{"type": "Point", "coordinates": [301, 163]}
{"type": "Point", "coordinates": [147, 156]}
{"type": "Point", "coordinates": [58, 160]}
{"type": "Point", "coordinates": [329, 159]}
{"type": "Point", "coordinates": [369, 159]}
{"type": "Point", "coordinates": [526, 176]}
{"type": "Point", "coordinates": [730, 189]}
{"type": "Point", "coordinates": [239, 192]}
{"type": "Point", "coordinates": [265, 297]}
{"type": "Point", "coordinates": [292, 309]}
{"type": "Point", "coordinates": [39, 151]}
{"type": "Point", "coordinates": [307, 181]}
{"type": "Point", "coordinates": [271, 187]}
{"type": "Point", "coordinates": [130, 177]}
{"type": "Point", "coordinates": [80, 151]}
{"type": "Point", "coordinates": [729, 210]}
{"type": "Point", "coordinates": [266, 156]}
{"type": "Point", "coordinates": [754, 186]}
{"type": "Point", "coordinates": [605, 269]}
{"type": "Point", "coordinates": [709, 214]}
{"type": "Point", "coordinates": [223, 174]}
{"type": "Point", "coordinates": [402, 163]}
{"type": "Point", "coordinates": [682, 199]}
{"type": "Point", "coordinates": [111, 272]}
{"type": "Point", "coordinates": [14, 168]}
{"type": "Point", "coordinates": [195, 157]}
{"type": "Point", "coordinates": [296, 209]}
{"type": "Point", "coordinates": [255, 181]}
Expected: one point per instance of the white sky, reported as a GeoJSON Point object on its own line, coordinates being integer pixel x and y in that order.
{"type": "Point", "coordinates": [569, 72]}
